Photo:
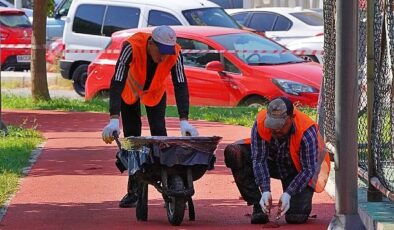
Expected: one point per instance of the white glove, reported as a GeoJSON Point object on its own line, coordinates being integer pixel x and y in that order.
{"type": "Point", "coordinates": [109, 129]}
{"type": "Point", "coordinates": [284, 204]}
{"type": "Point", "coordinates": [188, 128]}
{"type": "Point", "coordinates": [266, 202]}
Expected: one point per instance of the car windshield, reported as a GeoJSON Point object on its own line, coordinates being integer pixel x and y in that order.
{"type": "Point", "coordinates": [310, 18]}
{"type": "Point", "coordinates": [210, 17]}
{"type": "Point", "coordinates": [15, 20]}
{"type": "Point", "coordinates": [256, 50]}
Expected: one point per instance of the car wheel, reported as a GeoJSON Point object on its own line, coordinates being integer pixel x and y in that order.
{"type": "Point", "coordinates": [79, 77]}
{"type": "Point", "coordinates": [310, 58]}
{"type": "Point", "coordinates": [255, 102]}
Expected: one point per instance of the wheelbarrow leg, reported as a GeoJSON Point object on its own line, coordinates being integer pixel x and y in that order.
{"type": "Point", "coordinates": [192, 213]}
{"type": "Point", "coordinates": [142, 204]}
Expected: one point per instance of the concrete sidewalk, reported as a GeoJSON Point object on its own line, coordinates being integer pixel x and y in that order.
{"type": "Point", "coordinates": [22, 79]}
{"type": "Point", "coordinates": [75, 185]}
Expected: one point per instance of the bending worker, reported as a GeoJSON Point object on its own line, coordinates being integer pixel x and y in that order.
{"type": "Point", "coordinates": [285, 144]}
{"type": "Point", "coordinates": [145, 62]}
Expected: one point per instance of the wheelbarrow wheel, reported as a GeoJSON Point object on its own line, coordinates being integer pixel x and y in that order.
{"type": "Point", "coordinates": [176, 205]}
{"type": "Point", "coordinates": [142, 204]}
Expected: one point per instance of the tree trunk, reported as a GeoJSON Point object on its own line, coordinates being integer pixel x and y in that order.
{"type": "Point", "coordinates": [39, 86]}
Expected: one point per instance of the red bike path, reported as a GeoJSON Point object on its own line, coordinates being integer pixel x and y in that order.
{"type": "Point", "coordinates": [74, 183]}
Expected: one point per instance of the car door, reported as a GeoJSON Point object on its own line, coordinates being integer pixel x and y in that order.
{"type": "Point", "coordinates": [205, 87]}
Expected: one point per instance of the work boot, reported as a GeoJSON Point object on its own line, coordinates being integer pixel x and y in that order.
{"type": "Point", "coordinates": [131, 197]}
{"type": "Point", "coordinates": [258, 216]}
{"type": "Point", "coordinates": [128, 201]}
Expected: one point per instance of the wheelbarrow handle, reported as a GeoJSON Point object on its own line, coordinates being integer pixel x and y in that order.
{"type": "Point", "coordinates": [116, 138]}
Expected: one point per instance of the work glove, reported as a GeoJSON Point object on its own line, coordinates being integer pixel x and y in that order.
{"type": "Point", "coordinates": [284, 204]}
{"type": "Point", "coordinates": [266, 202]}
{"type": "Point", "coordinates": [113, 126]}
{"type": "Point", "coordinates": [187, 129]}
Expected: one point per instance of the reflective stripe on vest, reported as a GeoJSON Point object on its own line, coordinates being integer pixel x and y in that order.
{"type": "Point", "coordinates": [136, 77]}
{"type": "Point", "coordinates": [302, 122]}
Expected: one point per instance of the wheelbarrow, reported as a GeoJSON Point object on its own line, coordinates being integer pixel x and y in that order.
{"type": "Point", "coordinates": [171, 165]}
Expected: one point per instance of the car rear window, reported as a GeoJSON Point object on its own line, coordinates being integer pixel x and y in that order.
{"type": "Point", "coordinates": [14, 20]}
{"type": "Point", "coordinates": [310, 18]}
{"type": "Point", "coordinates": [210, 17]}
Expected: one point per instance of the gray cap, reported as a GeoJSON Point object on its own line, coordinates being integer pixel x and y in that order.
{"type": "Point", "coordinates": [278, 111]}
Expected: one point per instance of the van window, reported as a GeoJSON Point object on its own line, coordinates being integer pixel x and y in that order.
{"type": "Point", "coordinates": [86, 22]}
{"type": "Point", "coordinates": [210, 17]}
{"type": "Point", "coordinates": [120, 18]}
{"type": "Point", "coordinates": [158, 18]}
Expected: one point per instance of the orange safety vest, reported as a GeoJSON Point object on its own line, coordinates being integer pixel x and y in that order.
{"type": "Point", "coordinates": [302, 122]}
{"type": "Point", "coordinates": [134, 87]}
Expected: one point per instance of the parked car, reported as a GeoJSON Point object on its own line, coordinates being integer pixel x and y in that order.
{"type": "Point", "coordinates": [15, 29]}
{"type": "Point", "coordinates": [282, 24]}
{"type": "Point", "coordinates": [86, 31]}
{"type": "Point", "coordinates": [225, 78]}
{"type": "Point", "coordinates": [55, 24]}
{"type": "Point", "coordinates": [313, 46]}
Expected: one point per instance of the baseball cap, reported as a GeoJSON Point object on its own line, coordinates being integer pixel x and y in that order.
{"type": "Point", "coordinates": [165, 39]}
{"type": "Point", "coordinates": [278, 111]}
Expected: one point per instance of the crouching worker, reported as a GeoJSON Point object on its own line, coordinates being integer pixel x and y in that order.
{"type": "Point", "coordinates": [285, 144]}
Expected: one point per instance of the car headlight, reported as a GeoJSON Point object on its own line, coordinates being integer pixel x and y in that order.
{"type": "Point", "coordinates": [292, 87]}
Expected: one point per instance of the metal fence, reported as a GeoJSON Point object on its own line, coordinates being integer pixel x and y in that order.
{"type": "Point", "coordinates": [381, 94]}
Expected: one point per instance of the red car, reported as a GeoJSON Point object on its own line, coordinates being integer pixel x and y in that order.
{"type": "Point", "coordinates": [247, 70]}
{"type": "Point", "coordinates": [15, 39]}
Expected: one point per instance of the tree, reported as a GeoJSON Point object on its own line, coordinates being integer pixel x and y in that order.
{"type": "Point", "coordinates": [39, 88]}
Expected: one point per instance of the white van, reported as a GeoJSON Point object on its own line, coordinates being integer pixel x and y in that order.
{"type": "Point", "coordinates": [90, 24]}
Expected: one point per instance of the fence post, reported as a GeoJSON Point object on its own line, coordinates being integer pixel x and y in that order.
{"type": "Point", "coordinates": [373, 194]}
{"type": "Point", "coordinates": [346, 106]}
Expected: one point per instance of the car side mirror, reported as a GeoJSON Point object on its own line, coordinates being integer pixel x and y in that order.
{"type": "Point", "coordinates": [215, 66]}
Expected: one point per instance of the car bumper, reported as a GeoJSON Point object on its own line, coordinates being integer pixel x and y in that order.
{"type": "Point", "coordinates": [11, 63]}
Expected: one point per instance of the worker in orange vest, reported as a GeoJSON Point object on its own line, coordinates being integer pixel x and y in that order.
{"type": "Point", "coordinates": [285, 144]}
{"type": "Point", "coordinates": [144, 64]}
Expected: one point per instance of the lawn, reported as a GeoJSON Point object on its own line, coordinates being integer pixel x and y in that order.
{"type": "Point", "coordinates": [15, 151]}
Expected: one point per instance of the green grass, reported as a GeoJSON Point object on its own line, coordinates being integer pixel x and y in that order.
{"type": "Point", "coordinates": [237, 116]}
{"type": "Point", "coordinates": [15, 151]}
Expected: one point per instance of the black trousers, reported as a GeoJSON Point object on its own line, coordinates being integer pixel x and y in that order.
{"type": "Point", "coordinates": [131, 118]}
{"type": "Point", "coordinates": [238, 159]}
{"type": "Point", "coordinates": [132, 126]}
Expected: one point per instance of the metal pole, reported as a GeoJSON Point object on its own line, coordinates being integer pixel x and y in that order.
{"type": "Point", "coordinates": [346, 103]}
{"type": "Point", "coordinates": [373, 194]}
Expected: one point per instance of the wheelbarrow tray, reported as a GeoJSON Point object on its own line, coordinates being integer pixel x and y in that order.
{"type": "Point", "coordinates": [141, 153]}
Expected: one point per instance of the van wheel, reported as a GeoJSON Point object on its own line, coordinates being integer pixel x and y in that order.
{"type": "Point", "coordinates": [79, 77]}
